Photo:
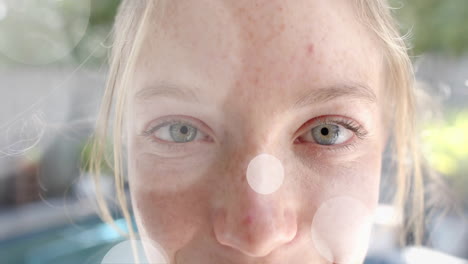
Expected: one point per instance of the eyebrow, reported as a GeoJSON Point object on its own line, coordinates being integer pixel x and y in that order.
{"type": "Point", "coordinates": [321, 95]}
{"type": "Point", "coordinates": [312, 96]}
{"type": "Point", "coordinates": [167, 90]}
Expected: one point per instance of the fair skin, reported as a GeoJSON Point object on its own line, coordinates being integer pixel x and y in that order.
{"type": "Point", "coordinates": [253, 77]}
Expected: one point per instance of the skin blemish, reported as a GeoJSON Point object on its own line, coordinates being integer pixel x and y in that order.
{"type": "Point", "coordinates": [282, 28]}
{"type": "Point", "coordinates": [256, 81]}
{"type": "Point", "coordinates": [248, 220]}
{"type": "Point", "coordinates": [310, 49]}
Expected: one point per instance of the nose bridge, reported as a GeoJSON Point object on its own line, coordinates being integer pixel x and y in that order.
{"type": "Point", "coordinates": [248, 221]}
{"type": "Point", "coordinates": [252, 213]}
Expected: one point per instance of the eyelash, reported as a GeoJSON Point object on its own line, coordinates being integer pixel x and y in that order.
{"type": "Point", "coordinates": [346, 123]}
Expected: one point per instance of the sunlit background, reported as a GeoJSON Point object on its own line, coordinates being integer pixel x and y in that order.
{"type": "Point", "coordinates": [52, 74]}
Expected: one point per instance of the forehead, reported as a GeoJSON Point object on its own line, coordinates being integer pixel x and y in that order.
{"type": "Point", "coordinates": [277, 47]}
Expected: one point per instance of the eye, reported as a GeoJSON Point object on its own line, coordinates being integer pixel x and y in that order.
{"type": "Point", "coordinates": [328, 134]}
{"type": "Point", "coordinates": [177, 132]}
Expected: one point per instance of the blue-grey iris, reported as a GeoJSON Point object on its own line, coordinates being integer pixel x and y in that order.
{"type": "Point", "coordinates": [326, 134]}
{"type": "Point", "coordinates": [182, 133]}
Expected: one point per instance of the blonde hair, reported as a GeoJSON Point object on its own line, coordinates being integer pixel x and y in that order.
{"type": "Point", "coordinates": [131, 24]}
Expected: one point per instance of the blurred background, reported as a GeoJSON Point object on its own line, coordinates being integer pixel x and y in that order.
{"type": "Point", "coordinates": [52, 74]}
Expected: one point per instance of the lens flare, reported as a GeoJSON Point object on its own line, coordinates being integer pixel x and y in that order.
{"type": "Point", "coordinates": [265, 174]}
{"type": "Point", "coordinates": [341, 230]}
{"type": "Point", "coordinates": [41, 32]}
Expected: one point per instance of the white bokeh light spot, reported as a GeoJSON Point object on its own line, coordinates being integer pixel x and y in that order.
{"type": "Point", "coordinates": [341, 230]}
{"type": "Point", "coordinates": [41, 32]}
{"type": "Point", "coordinates": [265, 174]}
{"type": "Point", "coordinates": [147, 252]}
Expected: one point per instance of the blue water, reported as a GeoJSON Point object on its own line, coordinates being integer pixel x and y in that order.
{"type": "Point", "coordinates": [81, 243]}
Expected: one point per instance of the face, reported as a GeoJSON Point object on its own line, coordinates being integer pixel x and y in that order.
{"type": "Point", "coordinates": [256, 133]}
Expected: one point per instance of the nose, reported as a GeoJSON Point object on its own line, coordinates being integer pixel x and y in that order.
{"type": "Point", "coordinates": [252, 223]}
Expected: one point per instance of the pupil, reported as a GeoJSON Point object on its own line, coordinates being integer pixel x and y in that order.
{"type": "Point", "coordinates": [184, 130]}
{"type": "Point", "coordinates": [324, 131]}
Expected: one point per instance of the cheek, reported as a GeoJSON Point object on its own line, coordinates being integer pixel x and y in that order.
{"type": "Point", "coordinates": [163, 198]}
{"type": "Point", "coordinates": [358, 178]}
{"type": "Point", "coordinates": [341, 229]}
{"type": "Point", "coordinates": [326, 174]}
{"type": "Point", "coordinates": [169, 220]}
{"type": "Point", "coordinates": [154, 169]}
{"type": "Point", "coordinates": [342, 195]}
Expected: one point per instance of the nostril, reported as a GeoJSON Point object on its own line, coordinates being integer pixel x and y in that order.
{"type": "Point", "coordinates": [252, 246]}
{"type": "Point", "coordinates": [247, 246]}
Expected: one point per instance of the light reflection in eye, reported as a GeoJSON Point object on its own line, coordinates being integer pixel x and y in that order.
{"type": "Point", "coordinates": [182, 133]}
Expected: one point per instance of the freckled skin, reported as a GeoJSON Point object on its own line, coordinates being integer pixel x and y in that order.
{"type": "Point", "coordinates": [247, 62]}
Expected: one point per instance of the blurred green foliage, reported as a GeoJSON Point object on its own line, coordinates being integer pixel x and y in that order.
{"type": "Point", "coordinates": [97, 36]}
{"type": "Point", "coordinates": [445, 145]}
{"type": "Point", "coordinates": [103, 12]}
{"type": "Point", "coordinates": [86, 155]}
{"type": "Point", "coordinates": [436, 25]}
{"type": "Point", "coordinates": [57, 26]}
